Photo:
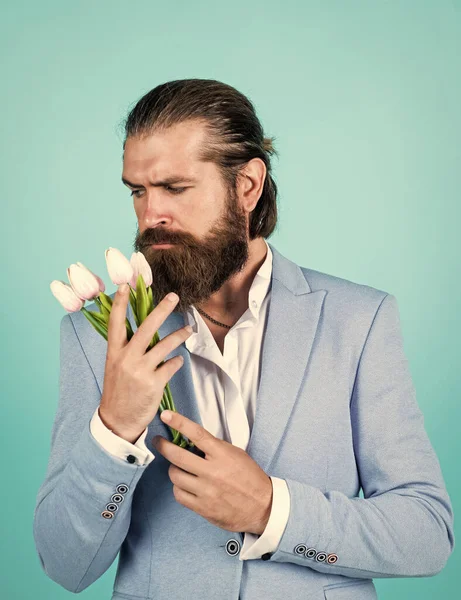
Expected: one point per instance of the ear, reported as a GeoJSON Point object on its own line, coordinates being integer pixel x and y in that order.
{"type": "Point", "coordinates": [251, 183]}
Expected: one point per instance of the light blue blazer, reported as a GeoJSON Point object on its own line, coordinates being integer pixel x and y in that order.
{"type": "Point", "coordinates": [336, 412]}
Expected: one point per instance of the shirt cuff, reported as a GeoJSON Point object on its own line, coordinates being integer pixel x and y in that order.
{"type": "Point", "coordinates": [116, 445]}
{"type": "Point", "coordinates": [254, 546]}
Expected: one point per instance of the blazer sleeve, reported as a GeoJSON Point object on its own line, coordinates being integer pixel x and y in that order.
{"type": "Point", "coordinates": [83, 507]}
{"type": "Point", "coordinates": [403, 526]}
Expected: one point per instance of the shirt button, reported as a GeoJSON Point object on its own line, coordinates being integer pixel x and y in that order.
{"type": "Point", "coordinates": [131, 459]}
{"type": "Point", "coordinates": [266, 556]}
{"type": "Point", "coordinates": [254, 303]}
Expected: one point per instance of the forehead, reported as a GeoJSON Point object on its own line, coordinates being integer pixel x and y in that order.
{"type": "Point", "coordinates": [174, 149]}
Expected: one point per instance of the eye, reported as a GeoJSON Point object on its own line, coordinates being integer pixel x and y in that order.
{"type": "Point", "coordinates": [173, 190]}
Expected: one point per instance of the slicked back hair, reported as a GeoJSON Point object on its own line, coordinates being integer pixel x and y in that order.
{"type": "Point", "coordinates": [235, 135]}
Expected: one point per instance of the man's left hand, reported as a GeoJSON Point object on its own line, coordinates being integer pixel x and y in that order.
{"type": "Point", "coordinates": [226, 487]}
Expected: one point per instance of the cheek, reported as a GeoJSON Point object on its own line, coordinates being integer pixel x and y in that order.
{"type": "Point", "coordinates": [195, 218]}
{"type": "Point", "coordinates": [137, 205]}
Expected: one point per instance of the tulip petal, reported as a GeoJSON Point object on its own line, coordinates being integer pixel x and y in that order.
{"type": "Point", "coordinates": [140, 266]}
{"type": "Point", "coordinates": [66, 296]}
{"type": "Point", "coordinates": [118, 266]}
{"type": "Point", "coordinates": [83, 281]}
{"type": "Point", "coordinates": [102, 287]}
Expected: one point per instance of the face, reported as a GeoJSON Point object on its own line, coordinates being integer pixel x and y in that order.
{"type": "Point", "coordinates": [198, 215]}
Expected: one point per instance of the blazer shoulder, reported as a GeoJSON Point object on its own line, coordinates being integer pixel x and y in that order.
{"type": "Point", "coordinates": [346, 295]}
{"type": "Point", "coordinates": [76, 325]}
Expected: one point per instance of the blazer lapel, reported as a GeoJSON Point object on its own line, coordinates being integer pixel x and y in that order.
{"type": "Point", "coordinates": [294, 312]}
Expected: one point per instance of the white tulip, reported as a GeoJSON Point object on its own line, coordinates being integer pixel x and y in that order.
{"type": "Point", "coordinates": [66, 296]}
{"type": "Point", "coordinates": [102, 287]}
{"type": "Point", "coordinates": [140, 267]}
{"type": "Point", "coordinates": [83, 281]}
{"type": "Point", "coordinates": [118, 266]}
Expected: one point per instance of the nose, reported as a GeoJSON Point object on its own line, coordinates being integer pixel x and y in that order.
{"type": "Point", "coordinates": [155, 211]}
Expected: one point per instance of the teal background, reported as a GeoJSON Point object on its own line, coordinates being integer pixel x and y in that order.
{"type": "Point", "coordinates": [364, 100]}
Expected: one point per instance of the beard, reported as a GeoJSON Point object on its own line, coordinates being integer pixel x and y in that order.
{"type": "Point", "coordinates": [193, 268]}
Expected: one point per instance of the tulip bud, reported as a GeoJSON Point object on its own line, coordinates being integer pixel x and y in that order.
{"type": "Point", "coordinates": [83, 282]}
{"type": "Point", "coordinates": [66, 296]}
{"type": "Point", "coordinates": [118, 266]}
{"type": "Point", "coordinates": [140, 267]}
{"type": "Point", "coordinates": [102, 287]}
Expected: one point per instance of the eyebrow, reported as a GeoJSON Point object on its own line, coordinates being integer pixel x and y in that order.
{"type": "Point", "coordinates": [168, 181]}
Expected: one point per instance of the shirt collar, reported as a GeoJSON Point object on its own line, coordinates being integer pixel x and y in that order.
{"type": "Point", "coordinates": [260, 285]}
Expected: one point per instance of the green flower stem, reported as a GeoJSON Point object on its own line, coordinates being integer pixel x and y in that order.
{"type": "Point", "coordinates": [177, 435]}
{"type": "Point", "coordinates": [170, 402]}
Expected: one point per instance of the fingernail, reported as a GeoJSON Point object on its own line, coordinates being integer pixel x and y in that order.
{"type": "Point", "coordinates": [172, 297]}
{"type": "Point", "coordinates": [166, 415]}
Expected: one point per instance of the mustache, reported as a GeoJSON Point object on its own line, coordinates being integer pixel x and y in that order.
{"type": "Point", "coordinates": [158, 238]}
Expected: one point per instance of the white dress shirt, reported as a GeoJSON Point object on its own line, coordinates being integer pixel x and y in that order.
{"type": "Point", "coordinates": [226, 386]}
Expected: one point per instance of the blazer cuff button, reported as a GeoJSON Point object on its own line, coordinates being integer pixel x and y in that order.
{"type": "Point", "coordinates": [320, 556]}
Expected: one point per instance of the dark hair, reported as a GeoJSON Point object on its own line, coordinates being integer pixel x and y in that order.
{"type": "Point", "coordinates": [236, 135]}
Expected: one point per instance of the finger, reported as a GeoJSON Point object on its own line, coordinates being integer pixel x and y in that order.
{"type": "Point", "coordinates": [169, 368]}
{"type": "Point", "coordinates": [166, 345]}
{"type": "Point", "coordinates": [146, 331]}
{"type": "Point", "coordinates": [116, 331]}
{"type": "Point", "coordinates": [180, 457]}
{"type": "Point", "coordinates": [196, 433]}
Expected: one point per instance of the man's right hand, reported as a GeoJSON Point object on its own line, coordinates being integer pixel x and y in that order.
{"type": "Point", "coordinates": [133, 382]}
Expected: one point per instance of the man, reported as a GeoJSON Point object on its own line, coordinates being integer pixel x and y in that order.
{"type": "Point", "coordinates": [295, 388]}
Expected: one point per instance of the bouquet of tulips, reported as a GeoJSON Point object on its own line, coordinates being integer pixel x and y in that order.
{"type": "Point", "coordinates": [85, 285]}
